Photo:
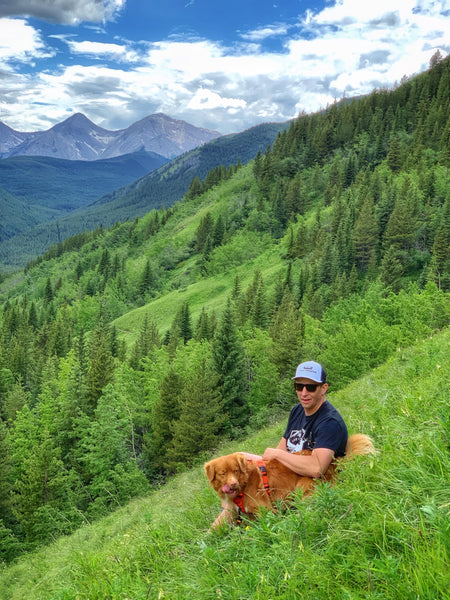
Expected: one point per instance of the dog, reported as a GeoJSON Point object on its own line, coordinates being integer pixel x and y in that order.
{"type": "Point", "coordinates": [247, 485]}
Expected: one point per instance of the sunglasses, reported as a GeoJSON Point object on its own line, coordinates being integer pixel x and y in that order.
{"type": "Point", "coordinates": [311, 387]}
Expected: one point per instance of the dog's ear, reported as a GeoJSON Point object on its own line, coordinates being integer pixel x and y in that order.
{"type": "Point", "coordinates": [242, 462]}
{"type": "Point", "coordinates": [210, 470]}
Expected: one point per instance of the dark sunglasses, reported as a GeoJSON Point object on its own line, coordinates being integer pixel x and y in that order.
{"type": "Point", "coordinates": [311, 387]}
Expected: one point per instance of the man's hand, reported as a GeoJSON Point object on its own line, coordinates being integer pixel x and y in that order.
{"type": "Point", "coordinates": [271, 453]}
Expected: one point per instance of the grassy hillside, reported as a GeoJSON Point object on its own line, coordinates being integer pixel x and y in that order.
{"type": "Point", "coordinates": [381, 532]}
{"type": "Point", "coordinates": [332, 245]}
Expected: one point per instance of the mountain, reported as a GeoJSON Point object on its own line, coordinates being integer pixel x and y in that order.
{"type": "Point", "coordinates": [160, 188]}
{"type": "Point", "coordinates": [34, 190]}
{"type": "Point", "coordinates": [161, 134]}
{"type": "Point", "coordinates": [77, 138]}
{"type": "Point", "coordinates": [10, 139]}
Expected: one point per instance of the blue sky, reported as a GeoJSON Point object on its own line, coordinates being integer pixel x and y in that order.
{"type": "Point", "coordinates": [223, 65]}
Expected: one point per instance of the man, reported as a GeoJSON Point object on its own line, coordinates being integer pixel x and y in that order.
{"type": "Point", "coordinates": [314, 424]}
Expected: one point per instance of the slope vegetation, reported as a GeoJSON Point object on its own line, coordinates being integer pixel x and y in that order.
{"type": "Point", "coordinates": [127, 354]}
{"type": "Point", "coordinates": [382, 531]}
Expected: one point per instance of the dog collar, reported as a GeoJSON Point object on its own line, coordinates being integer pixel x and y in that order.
{"type": "Point", "coordinates": [239, 499]}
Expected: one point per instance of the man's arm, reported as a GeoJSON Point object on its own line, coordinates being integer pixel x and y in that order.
{"type": "Point", "coordinates": [314, 465]}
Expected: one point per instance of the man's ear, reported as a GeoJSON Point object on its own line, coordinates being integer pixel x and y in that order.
{"type": "Point", "coordinates": [210, 470]}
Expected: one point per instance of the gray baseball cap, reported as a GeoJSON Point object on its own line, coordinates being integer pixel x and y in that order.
{"type": "Point", "coordinates": [311, 370]}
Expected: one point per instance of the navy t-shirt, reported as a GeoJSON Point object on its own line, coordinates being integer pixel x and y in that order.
{"type": "Point", "coordinates": [324, 429]}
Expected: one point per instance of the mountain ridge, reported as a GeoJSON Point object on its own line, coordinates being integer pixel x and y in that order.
{"type": "Point", "coordinates": [78, 138]}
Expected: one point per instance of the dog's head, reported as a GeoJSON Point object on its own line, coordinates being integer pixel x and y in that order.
{"type": "Point", "coordinates": [227, 474]}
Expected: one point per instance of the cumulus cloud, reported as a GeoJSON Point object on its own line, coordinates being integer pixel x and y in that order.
{"type": "Point", "coordinates": [100, 50]}
{"type": "Point", "coordinates": [208, 99]}
{"type": "Point", "coordinates": [350, 47]}
{"type": "Point", "coordinates": [20, 41]}
{"type": "Point", "coordinates": [63, 11]}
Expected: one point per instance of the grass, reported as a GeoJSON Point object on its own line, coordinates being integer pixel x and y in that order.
{"type": "Point", "coordinates": [381, 533]}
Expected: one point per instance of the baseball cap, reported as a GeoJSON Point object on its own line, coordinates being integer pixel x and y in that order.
{"type": "Point", "coordinates": [311, 370]}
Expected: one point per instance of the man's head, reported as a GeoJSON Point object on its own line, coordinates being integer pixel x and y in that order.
{"type": "Point", "coordinates": [310, 385]}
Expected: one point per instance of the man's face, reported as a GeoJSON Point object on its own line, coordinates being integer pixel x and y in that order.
{"type": "Point", "coordinates": [310, 400]}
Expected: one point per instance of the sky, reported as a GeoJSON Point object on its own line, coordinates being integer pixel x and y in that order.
{"type": "Point", "coordinates": [225, 65]}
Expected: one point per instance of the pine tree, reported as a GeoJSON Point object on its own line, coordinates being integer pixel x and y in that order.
{"type": "Point", "coordinates": [204, 230]}
{"type": "Point", "coordinates": [366, 235]}
{"type": "Point", "coordinates": [391, 270]}
{"type": "Point", "coordinates": [48, 293]}
{"type": "Point", "coordinates": [259, 315]}
{"type": "Point", "coordinates": [287, 332]}
{"type": "Point", "coordinates": [101, 366]}
{"type": "Point", "coordinates": [229, 361]}
{"type": "Point", "coordinates": [201, 417]}
{"type": "Point", "coordinates": [195, 188]}
{"type": "Point", "coordinates": [164, 412]}
{"type": "Point", "coordinates": [203, 328]}
{"type": "Point", "coordinates": [147, 280]}
{"type": "Point", "coordinates": [394, 155]}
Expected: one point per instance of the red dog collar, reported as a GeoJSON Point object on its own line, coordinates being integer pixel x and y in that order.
{"type": "Point", "coordinates": [239, 499]}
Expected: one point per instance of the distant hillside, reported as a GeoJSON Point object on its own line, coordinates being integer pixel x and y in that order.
{"type": "Point", "coordinates": [77, 138]}
{"type": "Point", "coordinates": [48, 188]}
{"type": "Point", "coordinates": [160, 188]}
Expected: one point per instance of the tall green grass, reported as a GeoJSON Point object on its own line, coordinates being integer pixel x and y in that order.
{"type": "Point", "coordinates": [382, 532]}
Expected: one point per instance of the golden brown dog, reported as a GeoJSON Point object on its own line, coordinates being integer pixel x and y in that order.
{"type": "Point", "coordinates": [243, 484]}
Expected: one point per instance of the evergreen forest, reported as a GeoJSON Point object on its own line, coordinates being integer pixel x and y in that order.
{"type": "Point", "coordinates": [129, 354]}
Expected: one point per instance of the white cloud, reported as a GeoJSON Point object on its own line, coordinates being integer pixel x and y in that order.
{"type": "Point", "coordinates": [350, 47]}
{"type": "Point", "coordinates": [265, 32]}
{"type": "Point", "coordinates": [101, 50]}
{"type": "Point", "coordinates": [19, 41]}
{"type": "Point", "coordinates": [206, 99]}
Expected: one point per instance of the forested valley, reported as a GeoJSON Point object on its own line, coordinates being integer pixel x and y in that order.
{"type": "Point", "coordinates": [128, 353]}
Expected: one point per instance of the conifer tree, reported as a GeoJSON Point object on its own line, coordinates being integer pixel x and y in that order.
{"type": "Point", "coordinates": [164, 412]}
{"type": "Point", "coordinates": [203, 327]}
{"type": "Point", "coordinates": [101, 365]}
{"type": "Point", "coordinates": [43, 493]}
{"type": "Point", "coordinates": [366, 235]}
{"type": "Point", "coordinates": [257, 165]}
{"type": "Point", "coordinates": [287, 332]}
{"type": "Point", "coordinates": [259, 314]}
{"type": "Point", "coordinates": [394, 155]}
{"type": "Point", "coordinates": [5, 476]}
{"type": "Point", "coordinates": [195, 188]}
{"type": "Point", "coordinates": [391, 270]}
{"type": "Point", "coordinates": [204, 230]}
{"type": "Point", "coordinates": [229, 359]}
{"type": "Point", "coordinates": [48, 293]}
{"type": "Point", "coordinates": [147, 280]}
{"type": "Point", "coordinates": [201, 417]}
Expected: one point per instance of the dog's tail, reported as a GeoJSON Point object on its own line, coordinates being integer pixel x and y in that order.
{"type": "Point", "coordinates": [359, 443]}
